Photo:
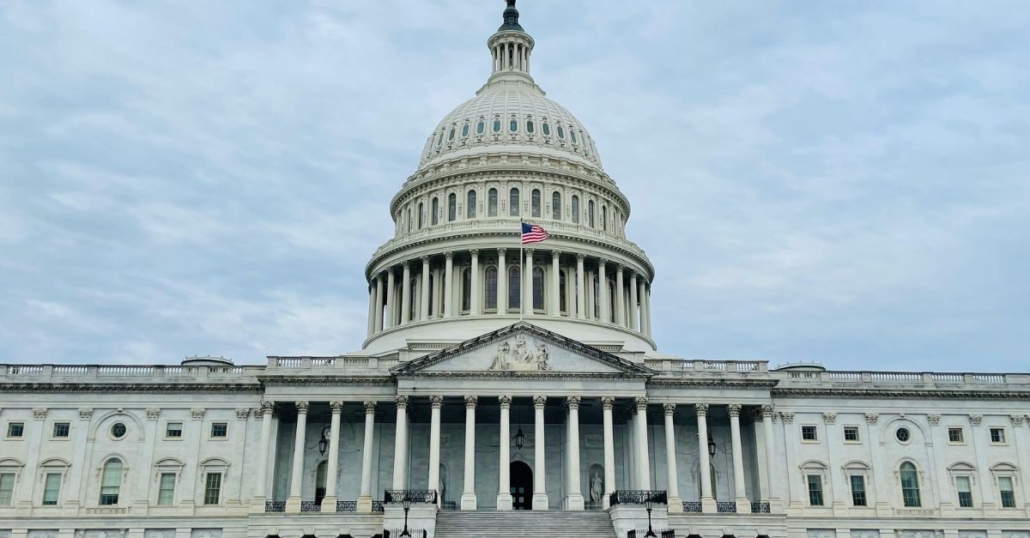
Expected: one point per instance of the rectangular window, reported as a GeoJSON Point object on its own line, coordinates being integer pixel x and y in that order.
{"type": "Point", "coordinates": [61, 429]}
{"type": "Point", "coordinates": [166, 490]}
{"type": "Point", "coordinates": [965, 491]}
{"type": "Point", "coordinates": [815, 490]}
{"type": "Point", "coordinates": [51, 489]}
{"type": "Point", "coordinates": [808, 433]}
{"type": "Point", "coordinates": [6, 488]}
{"type": "Point", "coordinates": [1008, 495]}
{"type": "Point", "coordinates": [219, 429]}
{"type": "Point", "coordinates": [858, 490]}
{"type": "Point", "coordinates": [955, 435]}
{"type": "Point", "coordinates": [15, 429]}
{"type": "Point", "coordinates": [173, 430]}
{"type": "Point", "coordinates": [213, 488]}
{"type": "Point", "coordinates": [998, 436]}
{"type": "Point", "coordinates": [851, 434]}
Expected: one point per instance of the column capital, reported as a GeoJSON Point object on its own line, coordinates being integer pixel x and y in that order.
{"type": "Point", "coordinates": [734, 410]}
{"type": "Point", "coordinates": [529, 252]}
{"type": "Point", "coordinates": [618, 268]}
{"type": "Point", "coordinates": [302, 407]}
{"type": "Point", "coordinates": [449, 255]}
{"type": "Point", "coordinates": [436, 401]}
{"type": "Point", "coordinates": [539, 402]}
{"type": "Point", "coordinates": [501, 251]}
{"type": "Point", "coordinates": [702, 409]}
{"type": "Point", "coordinates": [580, 257]}
{"type": "Point", "coordinates": [607, 403]}
{"type": "Point", "coordinates": [641, 403]}
{"type": "Point", "coordinates": [505, 401]}
{"type": "Point", "coordinates": [555, 253]}
{"type": "Point", "coordinates": [670, 409]}
{"type": "Point", "coordinates": [425, 260]}
{"type": "Point", "coordinates": [267, 407]}
{"type": "Point", "coordinates": [474, 252]}
{"type": "Point", "coordinates": [406, 265]}
{"type": "Point", "coordinates": [768, 411]}
{"type": "Point", "coordinates": [602, 262]}
{"type": "Point", "coordinates": [402, 402]}
{"type": "Point", "coordinates": [788, 418]}
{"type": "Point", "coordinates": [242, 413]}
{"type": "Point", "coordinates": [370, 407]}
{"type": "Point", "coordinates": [572, 402]}
{"type": "Point", "coordinates": [471, 401]}
{"type": "Point", "coordinates": [336, 407]}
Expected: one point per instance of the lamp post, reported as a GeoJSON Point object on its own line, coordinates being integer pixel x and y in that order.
{"type": "Point", "coordinates": [650, 531]}
{"type": "Point", "coordinates": [407, 506]}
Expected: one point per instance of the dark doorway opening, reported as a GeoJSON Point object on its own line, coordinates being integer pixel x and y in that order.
{"type": "Point", "coordinates": [521, 486]}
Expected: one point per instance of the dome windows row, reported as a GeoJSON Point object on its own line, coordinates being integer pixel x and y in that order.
{"type": "Point", "coordinates": [562, 132]}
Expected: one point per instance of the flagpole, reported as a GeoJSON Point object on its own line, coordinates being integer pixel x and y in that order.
{"type": "Point", "coordinates": [522, 276]}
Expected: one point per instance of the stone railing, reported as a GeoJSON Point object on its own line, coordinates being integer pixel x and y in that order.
{"type": "Point", "coordinates": [338, 365]}
{"type": "Point", "coordinates": [92, 372]}
{"type": "Point", "coordinates": [690, 367]}
{"type": "Point", "coordinates": [856, 379]}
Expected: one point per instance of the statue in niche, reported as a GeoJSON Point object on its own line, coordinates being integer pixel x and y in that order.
{"type": "Point", "coordinates": [596, 487]}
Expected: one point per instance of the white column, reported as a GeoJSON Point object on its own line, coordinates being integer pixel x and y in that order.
{"type": "Point", "coordinates": [527, 284]}
{"type": "Point", "coordinates": [643, 459]}
{"type": "Point", "coordinates": [424, 304]}
{"type": "Point", "coordinates": [371, 311]}
{"type": "Point", "coordinates": [647, 301]}
{"type": "Point", "coordinates": [675, 503]}
{"type": "Point", "coordinates": [476, 307]}
{"type": "Point", "coordinates": [540, 501]}
{"type": "Point", "coordinates": [770, 452]}
{"type": "Point", "coordinates": [258, 503]}
{"type": "Point", "coordinates": [365, 497]}
{"type": "Point", "coordinates": [448, 286]}
{"type": "Point", "coordinates": [556, 283]}
{"type": "Point", "coordinates": [406, 295]}
{"type": "Point", "coordinates": [642, 297]}
{"type": "Point", "coordinates": [740, 494]}
{"type": "Point", "coordinates": [391, 299]}
{"type": "Point", "coordinates": [504, 500]}
{"type": "Point", "coordinates": [400, 445]}
{"type": "Point", "coordinates": [297, 476]}
{"type": "Point", "coordinates": [379, 304]}
{"type": "Point", "coordinates": [1022, 451]}
{"type": "Point", "coordinates": [602, 279]}
{"type": "Point", "coordinates": [329, 501]}
{"type": "Point", "coordinates": [634, 304]}
{"type": "Point", "coordinates": [580, 291]}
{"type": "Point", "coordinates": [707, 502]}
{"type": "Point", "coordinates": [607, 403]}
{"type": "Point", "coordinates": [620, 298]}
{"type": "Point", "coordinates": [575, 498]}
{"type": "Point", "coordinates": [435, 403]}
{"type": "Point", "coordinates": [468, 496]}
{"type": "Point", "coordinates": [502, 283]}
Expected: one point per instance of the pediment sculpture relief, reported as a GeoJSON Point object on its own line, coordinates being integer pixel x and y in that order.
{"type": "Point", "coordinates": [520, 358]}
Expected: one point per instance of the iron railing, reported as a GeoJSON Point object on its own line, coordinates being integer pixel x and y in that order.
{"type": "Point", "coordinates": [726, 507]}
{"type": "Point", "coordinates": [760, 508]}
{"type": "Point", "coordinates": [692, 507]}
{"type": "Point", "coordinates": [346, 506]}
{"type": "Point", "coordinates": [310, 506]}
{"type": "Point", "coordinates": [412, 495]}
{"type": "Point", "coordinates": [414, 533]}
{"type": "Point", "coordinates": [668, 533]}
{"type": "Point", "coordinates": [639, 497]}
{"type": "Point", "coordinates": [275, 506]}
{"type": "Point", "coordinates": [377, 506]}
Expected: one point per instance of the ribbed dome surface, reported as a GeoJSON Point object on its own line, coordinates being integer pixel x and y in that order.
{"type": "Point", "coordinates": [510, 117]}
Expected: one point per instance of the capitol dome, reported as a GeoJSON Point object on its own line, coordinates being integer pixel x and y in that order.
{"type": "Point", "coordinates": [455, 266]}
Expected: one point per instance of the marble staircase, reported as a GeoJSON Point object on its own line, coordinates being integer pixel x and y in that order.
{"type": "Point", "coordinates": [523, 524]}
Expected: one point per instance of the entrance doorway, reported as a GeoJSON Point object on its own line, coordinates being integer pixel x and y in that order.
{"type": "Point", "coordinates": [521, 477]}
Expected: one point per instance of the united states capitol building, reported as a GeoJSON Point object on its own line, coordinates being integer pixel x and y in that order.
{"type": "Point", "coordinates": [505, 390]}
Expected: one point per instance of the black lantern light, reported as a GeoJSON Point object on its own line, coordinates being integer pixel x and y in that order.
{"type": "Point", "coordinates": [323, 443]}
{"type": "Point", "coordinates": [407, 506]}
{"type": "Point", "coordinates": [647, 504]}
{"type": "Point", "coordinates": [711, 445]}
{"type": "Point", "coordinates": [520, 438]}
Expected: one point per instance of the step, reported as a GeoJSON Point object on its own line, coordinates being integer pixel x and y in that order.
{"type": "Point", "coordinates": [521, 524]}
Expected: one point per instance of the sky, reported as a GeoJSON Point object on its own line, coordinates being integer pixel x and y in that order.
{"type": "Point", "coordinates": [838, 182]}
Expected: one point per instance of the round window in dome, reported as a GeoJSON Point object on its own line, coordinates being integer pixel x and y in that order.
{"type": "Point", "coordinates": [513, 126]}
{"type": "Point", "coordinates": [118, 430]}
{"type": "Point", "coordinates": [497, 126]}
{"type": "Point", "coordinates": [464, 130]}
{"type": "Point", "coordinates": [547, 129]}
{"type": "Point", "coordinates": [529, 126]}
{"type": "Point", "coordinates": [903, 435]}
{"type": "Point", "coordinates": [481, 127]}
{"type": "Point", "coordinates": [561, 133]}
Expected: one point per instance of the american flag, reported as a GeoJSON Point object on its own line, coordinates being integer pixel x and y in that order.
{"type": "Point", "coordinates": [531, 233]}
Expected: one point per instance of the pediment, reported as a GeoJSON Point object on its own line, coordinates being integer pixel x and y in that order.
{"type": "Point", "coordinates": [522, 349]}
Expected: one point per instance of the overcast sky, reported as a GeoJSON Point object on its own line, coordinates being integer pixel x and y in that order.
{"type": "Point", "coordinates": [842, 182]}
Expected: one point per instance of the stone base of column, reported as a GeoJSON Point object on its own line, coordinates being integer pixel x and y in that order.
{"type": "Point", "coordinates": [257, 505]}
{"type": "Point", "coordinates": [574, 502]}
{"type": "Point", "coordinates": [329, 504]}
{"type": "Point", "coordinates": [364, 504]}
{"type": "Point", "coordinates": [743, 506]}
{"type": "Point", "coordinates": [468, 501]}
{"type": "Point", "coordinates": [504, 501]}
{"type": "Point", "coordinates": [708, 506]}
{"type": "Point", "coordinates": [675, 505]}
{"type": "Point", "coordinates": [540, 501]}
{"type": "Point", "coordinates": [293, 505]}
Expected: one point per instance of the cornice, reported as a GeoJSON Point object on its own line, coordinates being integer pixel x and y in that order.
{"type": "Point", "coordinates": [710, 382]}
{"type": "Point", "coordinates": [550, 376]}
{"type": "Point", "coordinates": [330, 381]}
{"type": "Point", "coordinates": [889, 394]}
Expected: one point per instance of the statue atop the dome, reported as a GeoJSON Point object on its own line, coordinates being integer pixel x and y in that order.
{"type": "Point", "coordinates": [511, 18]}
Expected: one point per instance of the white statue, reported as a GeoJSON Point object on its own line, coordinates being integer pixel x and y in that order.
{"type": "Point", "coordinates": [596, 487]}
{"type": "Point", "coordinates": [502, 358]}
{"type": "Point", "coordinates": [542, 357]}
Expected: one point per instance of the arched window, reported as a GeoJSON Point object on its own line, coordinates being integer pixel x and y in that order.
{"type": "Point", "coordinates": [481, 127]}
{"type": "Point", "coordinates": [535, 199]}
{"type": "Point", "coordinates": [320, 475]}
{"type": "Point", "coordinates": [590, 213]}
{"type": "Point", "coordinates": [572, 133]}
{"type": "Point", "coordinates": [491, 203]}
{"type": "Point", "coordinates": [514, 125]}
{"type": "Point", "coordinates": [910, 485]}
{"type": "Point", "coordinates": [556, 205]}
{"type": "Point", "coordinates": [491, 288]}
{"type": "Point", "coordinates": [547, 129]}
{"type": "Point", "coordinates": [465, 130]}
{"type": "Point", "coordinates": [497, 125]}
{"type": "Point", "coordinates": [561, 132]}
{"type": "Point", "coordinates": [604, 217]}
{"type": "Point", "coordinates": [470, 210]}
{"type": "Point", "coordinates": [111, 482]}
{"type": "Point", "coordinates": [575, 209]}
{"type": "Point", "coordinates": [529, 126]}
{"type": "Point", "coordinates": [513, 203]}
{"type": "Point", "coordinates": [439, 140]}
{"type": "Point", "coordinates": [451, 135]}
{"type": "Point", "coordinates": [514, 287]}
{"type": "Point", "coordinates": [436, 212]}
{"type": "Point", "coordinates": [421, 215]}
{"type": "Point", "coordinates": [452, 207]}
{"type": "Point", "coordinates": [466, 290]}
{"type": "Point", "coordinates": [562, 294]}
{"type": "Point", "coordinates": [538, 288]}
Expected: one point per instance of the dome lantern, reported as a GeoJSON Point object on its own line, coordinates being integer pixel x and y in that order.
{"type": "Point", "coordinates": [511, 48]}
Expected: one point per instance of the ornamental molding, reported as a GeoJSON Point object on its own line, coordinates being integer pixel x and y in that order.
{"type": "Point", "coordinates": [934, 419]}
{"type": "Point", "coordinates": [86, 413]}
{"type": "Point", "coordinates": [830, 418]}
{"type": "Point", "coordinates": [975, 420]}
{"type": "Point", "coordinates": [197, 413]}
{"type": "Point", "coordinates": [153, 413]}
{"type": "Point", "coordinates": [1017, 420]}
{"type": "Point", "coordinates": [40, 413]}
{"type": "Point", "coordinates": [788, 418]}
{"type": "Point", "coordinates": [709, 381]}
{"type": "Point", "coordinates": [242, 413]}
{"type": "Point", "coordinates": [872, 418]}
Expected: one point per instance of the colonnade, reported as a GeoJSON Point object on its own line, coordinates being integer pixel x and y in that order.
{"type": "Point", "coordinates": [475, 283]}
